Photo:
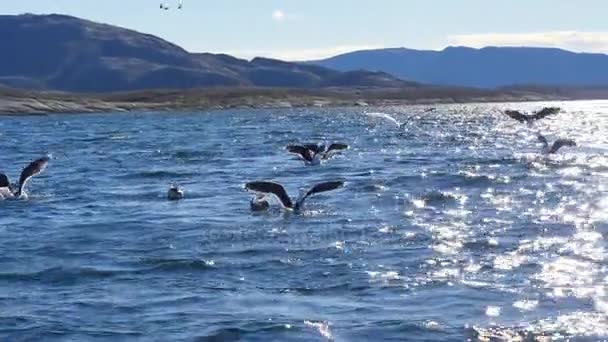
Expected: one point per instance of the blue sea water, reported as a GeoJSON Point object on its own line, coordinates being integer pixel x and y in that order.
{"type": "Point", "coordinates": [454, 229]}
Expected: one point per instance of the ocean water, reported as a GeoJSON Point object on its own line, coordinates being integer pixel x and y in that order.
{"type": "Point", "coordinates": [454, 229]}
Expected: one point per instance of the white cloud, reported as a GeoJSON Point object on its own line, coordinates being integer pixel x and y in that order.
{"type": "Point", "coordinates": [302, 54]}
{"type": "Point", "coordinates": [569, 40]}
{"type": "Point", "coordinates": [278, 15]}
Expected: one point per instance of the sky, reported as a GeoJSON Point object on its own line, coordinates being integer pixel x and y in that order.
{"type": "Point", "coordinates": [312, 29]}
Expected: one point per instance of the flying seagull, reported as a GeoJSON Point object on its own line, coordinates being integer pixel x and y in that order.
{"type": "Point", "coordinates": [557, 144]}
{"type": "Point", "coordinates": [387, 117]}
{"type": "Point", "coordinates": [33, 169]}
{"type": "Point", "coordinates": [531, 118]}
{"type": "Point", "coordinates": [312, 154]}
{"type": "Point", "coordinates": [270, 188]}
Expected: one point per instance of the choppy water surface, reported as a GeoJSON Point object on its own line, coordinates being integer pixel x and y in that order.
{"type": "Point", "coordinates": [457, 229]}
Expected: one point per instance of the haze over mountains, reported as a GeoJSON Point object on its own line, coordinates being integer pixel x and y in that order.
{"type": "Point", "coordinates": [485, 68]}
{"type": "Point", "coordinates": [60, 52]}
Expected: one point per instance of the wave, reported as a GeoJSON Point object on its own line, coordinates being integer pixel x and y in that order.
{"type": "Point", "coordinates": [63, 274]}
{"type": "Point", "coordinates": [576, 326]}
{"type": "Point", "coordinates": [177, 265]}
{"type": "Point", "coordinates": [159, 174]}
{"type": "Point", "coordinates": [436, 197]}
{"type": "Point", "coordinates": [240, 333]}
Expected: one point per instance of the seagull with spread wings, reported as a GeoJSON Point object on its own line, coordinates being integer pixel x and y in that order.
{"type": "Point", "coordinates": [531, 118]}
{"type": "Point", "coordinates": [313, 154]}
{"type": "Point", "coordinates": [557, 144]}
{"type": "Point", "coordinates": [262, 189]}
{"type": "Point", "coordinates": [7, 190]}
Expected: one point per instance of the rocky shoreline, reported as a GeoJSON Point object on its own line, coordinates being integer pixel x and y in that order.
{"type": "Point", "coordinates": [21, 102]}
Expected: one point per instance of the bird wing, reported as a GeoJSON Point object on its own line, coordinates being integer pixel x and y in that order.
{"type": "Point", "coordinates": [559, 143]}
{"type": "Point", "coordinates": [34, 168]}
{"type": "Point", "coordinates": [542, 139]}
{"type": "Point", "coordinates": [321, 187]}
{"type": "Point", "coordinates": [385, 117]}
{"type": "Point", "coordinates": [336, 147]}
{"type": "Point", "coordinates": [304, 152]}
{"type": "Point", "coordinates": [275, 189]}
{"type": "Point", "coordinates": [546, 112]}
{"type": "Point", "coordinates": [4, 181]}
{"type": "Point", "coordinates": [517, 115]}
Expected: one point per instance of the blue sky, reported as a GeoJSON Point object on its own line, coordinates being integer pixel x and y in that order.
{"type": "Point", "coordinates": [306, 29]}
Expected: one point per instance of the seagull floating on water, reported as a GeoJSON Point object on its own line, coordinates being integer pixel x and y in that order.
{"type": "Point", "coordinates": [312, 154]}
{"type": "Point", "coordinates": [557, 144]}
{"type": "Point", "coordinates": [531, 118]}
{"type": "Point", "coordinates": [271, 188]}
{"type": "Point", "coordinates": [7, 190]}
{"type": "Point", "coordinates": [175, 193]}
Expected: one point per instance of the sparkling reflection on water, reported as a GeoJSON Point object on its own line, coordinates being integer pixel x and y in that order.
{"type": "Point", "coordinates": [455, 229]}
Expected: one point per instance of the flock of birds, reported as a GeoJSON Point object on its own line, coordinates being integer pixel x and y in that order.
{"type": "Point", "coordinates": [530, 119]}
{"type": "Point", "coordinates": [314, 154]}
{"type": "Point", "coordinates": [166, 6]}
{"type": "Point", "coordinates": [310, 154]}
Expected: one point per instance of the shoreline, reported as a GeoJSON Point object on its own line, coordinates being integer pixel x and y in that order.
{"type": "Point", "coordinates": [17, 102]}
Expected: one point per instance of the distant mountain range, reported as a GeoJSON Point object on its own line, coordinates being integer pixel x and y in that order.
{"type": "Point", "coordinates": [58, 52]}
{"type": "Point", "coordinates": [489, 67]}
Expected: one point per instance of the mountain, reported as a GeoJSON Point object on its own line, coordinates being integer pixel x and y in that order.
{"type": "Point", "coordinates": [58, 52]}
{"type": "Point", "coordinates": [489, 67]}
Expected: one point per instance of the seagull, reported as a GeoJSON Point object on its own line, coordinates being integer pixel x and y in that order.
{"type": "Point", "coordinates": [175, 193]}
{"type": "Point", "coordinates": [34, 168]}
{"type": "Point", "coordinates": [531, 118]}
{"type": "Point", "coordinates": [312, 154]}
{"type": "Point", "coordinates": [277, 190]}
{"type": "Point", "coordinates": [559, 143]}
{"type": "Point", "coordinates": [385, 116]}
{"type": "Point", "coordinates": [164, 6]}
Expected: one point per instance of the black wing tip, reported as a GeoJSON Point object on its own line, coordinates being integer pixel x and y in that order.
{"type": "Point", "coordinates": [552, 109]}
{"type": "Point", "coordinates": [254, 184]}
{"type": "Point", "coordinates": [335, 184]}
{"type": "Point", "coordinates": [4, 181]}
